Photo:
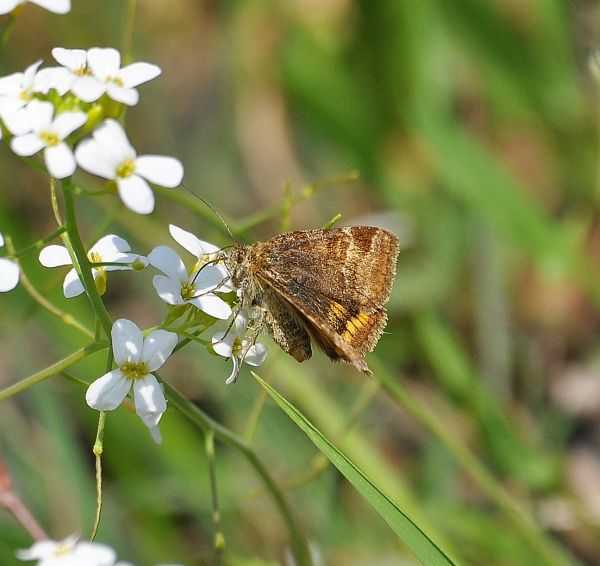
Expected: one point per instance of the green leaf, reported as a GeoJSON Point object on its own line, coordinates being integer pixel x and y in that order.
{"type": "Point", "coordinates": [413, 536]}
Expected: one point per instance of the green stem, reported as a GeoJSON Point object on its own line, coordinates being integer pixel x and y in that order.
{"type": "Point", "coordinates": [64, 317]}
{"type": "Point", "coordinates": [305, 193]}
{"type": "Point", "coordinates": [81, 261]}
{"type": "Point", "coordinates": [52, 370]}
{"type": "Point", "coordinates": [530, 533]}
{"type": "Point", "coordinates": [203, 421]}
{"type": "Point", "coordinates": [39, 244]}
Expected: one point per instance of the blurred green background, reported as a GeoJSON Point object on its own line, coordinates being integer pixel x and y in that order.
{"type": "Point", "coordinates": [473, 126]}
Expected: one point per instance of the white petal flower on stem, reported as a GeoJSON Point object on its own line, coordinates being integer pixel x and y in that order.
{"type": "Point", "coordinates": [49, 133]}
{"type": "Point", "coordinates": [109, 249]}
{"type": "Point", "coordinates": [74, 75]}
{"type": "Point", "coordinates": [205, 252]}
{"type": "Point", "coordinates": [9, 271]}
{"type": "Point", "coordinates": [232, 344]}
{"type": "Point", "coordinates": [136, 358]}
{"type": "Point", "coordinates": [69, 552]}
{"type": "Point", "coordinates": [178, 286]}
{"type": "Point", "coordinates": [16, 91]}
{"type": "Point", "coordinates": [109, 154]}
{"type": "Point", "coordinates": [119, 83]}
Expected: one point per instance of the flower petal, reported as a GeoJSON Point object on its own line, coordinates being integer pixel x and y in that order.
{"type": "Point", "coordinates": [209, 278]}
{"type": "Point", "coordinates": [40, 113]}
{"type": "Point", "coordinates": [58, 78]}
{"type": "Point", "coordinates": [136, 195]}
{"type": "Point", "coordinates": [168, 261]}
{"type": "Point", "coordinates": [16, 120]}
{"type": "Point", "coordinates": [212, 305]}
{"type": "Point", "coordinates": [60, 161]}
{"type": "Point", "coordinates": [108, 391]}
{"type": "Point", "coordinates": [164, 171]}
{"type": "Point", "coordinates": [235, 372]}
{"type": "Point", "coordinates": [93, 553]}
{"type": "Point", "coordinates": [88, 89]}
{"type": "Point", "coordinates": [68, 122]}
{"type": "Point", "coordinates": [138, 73]}
{"type": "Point", "coordinates": [168, 289]}
{"type": "Point", "coordinates": [104, 62]}
{"type": "Point", "coordinates": [222, 343]}
{"type": "Point", "coordinates": [27, 144]}
{"type": "Point", "coordinates": [256, 354]}
{"type": "Point", "coordinates": [158, 346]}
{"type": "Point", "coordinates": [72, 285]}
{"type": "Point", "coordinates": [56, 6]}
{"type": "Point", "coordinates": [191, 243]}
{"type": "Point", "coordinates": [9, 274]}
{"type": "Point", "coordinates": [128, 96]}
{"type": "Point", "coordinates": [112, 137]}
{"type": "Point", "coordinates": [126, 260]}
{"type": "Point", "coordinates": [109, 245]}
{"type": "Point", "coordinates": [55, 256]}
{"type": "Point", "coordinates": [5, 7]}
{"type": "Point", "coordinates": [127, 341]}
{"type": "Point", "coordinates": [91, 157]}
{"type": "Point", "coordinates": [150, 402]}
{"type": "Point", "coordinates": [73, 59]}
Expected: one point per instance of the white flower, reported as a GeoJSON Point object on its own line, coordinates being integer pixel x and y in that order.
{"type": "Point", "coordinates": [69, 552]}
{"type": "Point", "coordinates": [178, 287]}
{"type": "Point", "coordinates": [16, 91]}
{"type": "Point", "coordinates": [109, 154]}
{"type": "Point", "coordinates": [232, 345]}
{"type": "Point", "coordinates": [89, 74]}
{"type": "Point", "coordinates": [56, 6]}
{"type": "Point", "coordinates": [49, 134]}
{"type": "Point", "coordinates": [136, 357]}
{"type": "Point", "coordinates": [205, 252]}
{"type": "Point", "coordinates": [9, 271]}
{"type": "Point", "coordinates": [75, 75]}
{"type": "Point", "coordinates": [109, 249]}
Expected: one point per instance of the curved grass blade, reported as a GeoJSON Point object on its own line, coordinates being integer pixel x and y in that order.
{"type": "Point", "coordinates": [413, 536]}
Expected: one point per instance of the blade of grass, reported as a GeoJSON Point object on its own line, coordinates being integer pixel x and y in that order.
{"type": "Point", "coordinates": [413, 536]}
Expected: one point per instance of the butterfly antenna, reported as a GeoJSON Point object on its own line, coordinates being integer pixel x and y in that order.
{"type": "Point", "coordinates": [216, 213]}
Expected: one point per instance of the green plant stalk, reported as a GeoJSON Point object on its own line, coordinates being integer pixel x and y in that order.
{"type": "Point", "coordinates": [52, 370]}
{"type": "Point", "coordinates": [39, 244]}
{"type": "Point", "coordinates": [200, 419]}
{"type": "Point", "coordinates": [81, 261]}
{"type": "Point", "coordinates": [547, 550]}
{"type": "Point", "coordinates": [64, 317]}
{"type": "Point", "coordinates": [305, 193]}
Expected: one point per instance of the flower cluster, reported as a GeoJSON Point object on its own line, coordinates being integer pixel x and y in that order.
{"type": "Point", "coordinates": [65, 112]}
{"type": "Point", "coordinates": [48, 110]}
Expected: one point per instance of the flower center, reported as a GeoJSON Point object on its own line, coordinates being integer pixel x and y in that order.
{"type": "Point", "coordinates": [236, 349]}
{"type": "Point", "coordinates": [115, 80]}
{"type": "Point", "coordinates": [187, 291]}
{"type": "Point", "coordinates": [95, 257]}
{"type": "Point", "coordinates": [26, 94]}
{"type": "Point", "coordinates": [134, 371]}
{"type": "Point", "coordinates": [83, 71]}
{"type": "Point", "coordinates": [126, 169]}
{"type": "Point", "coordinates": [49, 138]}
{"type": "Point", "coordinates": [64, 549]}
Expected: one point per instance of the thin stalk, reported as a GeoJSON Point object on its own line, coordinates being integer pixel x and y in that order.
{"type": "Point", "coordinates": [52, 370]}
{"type": "Point", "coordinates": [203, 421]}
{"type": "Point", "coordinates": [63, 316]}
{"type": "Point", "coordinates": [81, 261]}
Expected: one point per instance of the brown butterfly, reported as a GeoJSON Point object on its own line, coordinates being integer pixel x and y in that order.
{"type": "Point", "coordinates": [326, 285]}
